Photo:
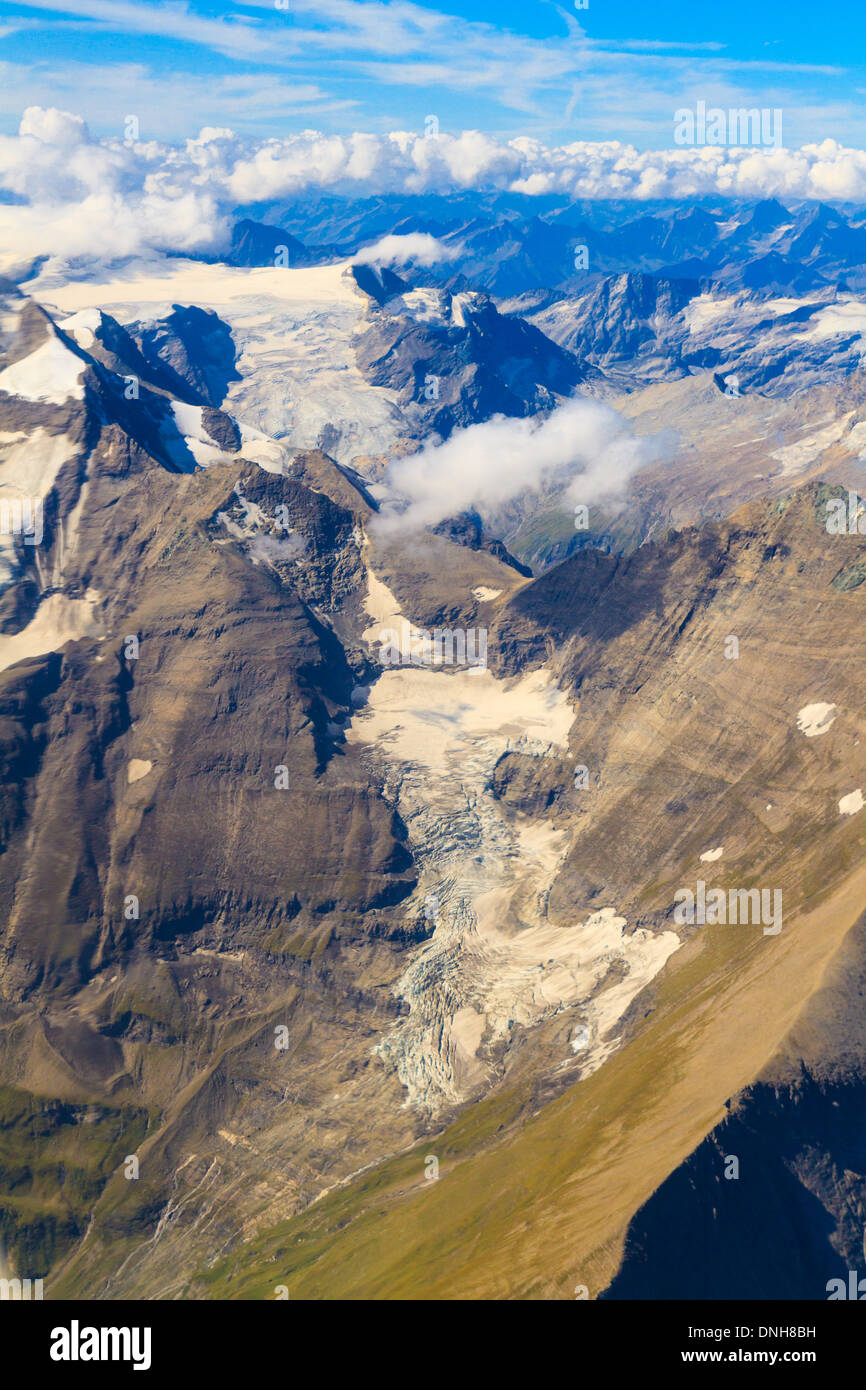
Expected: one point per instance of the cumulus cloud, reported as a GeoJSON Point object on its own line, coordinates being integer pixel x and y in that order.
{"type": "Point", "coordinates": [79, 196]}
{"type": "Point", "coordinates": [583, 446]}
{"type": "Point", "coordinates": [413, 248]}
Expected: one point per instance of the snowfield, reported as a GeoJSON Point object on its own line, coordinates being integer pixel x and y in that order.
{"type": "Point", "coordinates": [293, 329]}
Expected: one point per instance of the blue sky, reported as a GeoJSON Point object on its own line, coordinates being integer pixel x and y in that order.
{"type": "Point", "coordinates": [541, 70]}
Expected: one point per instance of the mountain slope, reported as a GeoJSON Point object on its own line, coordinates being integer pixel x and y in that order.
{"type": "Point", "coordinates": [685, 750]}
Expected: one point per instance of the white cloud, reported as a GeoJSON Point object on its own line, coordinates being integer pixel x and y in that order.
{"type": "Point", "coordinates": [99, 198]}
{"type": "Point", "coordinates": [107, 197]}
{"type": "Point", "coordinates": [174, 21]}
{"type": "Point", "coordinates": [563, 78]}
{"type": "Point", "coordinates": [582, 445]}
{"type": "Point", "coordinates": [415, 248]}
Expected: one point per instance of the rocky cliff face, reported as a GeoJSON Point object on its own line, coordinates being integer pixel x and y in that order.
{"type": "Point", "coordinates": [453, 360]}
{"type": "Point", "coordinates": [186, 834]}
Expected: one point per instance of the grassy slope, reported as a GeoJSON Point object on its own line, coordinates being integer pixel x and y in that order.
{"type": "Point", "coordinates": [55, 1158]}
{"type": "Point", "coordinates": [532, 1206]}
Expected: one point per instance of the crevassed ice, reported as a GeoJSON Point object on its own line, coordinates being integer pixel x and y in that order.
{"type": "Point", "coordinates": [494, 960]}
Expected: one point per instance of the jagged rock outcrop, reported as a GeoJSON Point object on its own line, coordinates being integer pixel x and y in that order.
{"type": "Point", "coordinates": [453, 360]}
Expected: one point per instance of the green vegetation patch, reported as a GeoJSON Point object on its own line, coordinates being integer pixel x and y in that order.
{"type": "Point", "coordinates": [55, 1158]}
{"type": "Point", "coordinates": [850, 576]}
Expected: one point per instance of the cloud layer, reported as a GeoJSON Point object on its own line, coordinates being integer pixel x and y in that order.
{"type": "Point", "coordinates": [78, 196]}
{"type": "Point", "coordinates": [582, 446]}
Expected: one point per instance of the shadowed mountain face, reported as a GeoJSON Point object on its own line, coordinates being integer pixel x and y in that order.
{"type": "Point", "coordinates": [781, 1224]}
{"type": "Point", "coordinates": [785, 1218]}
{"type": "Point", "coordinates": [192, 353]}
{"type": "Point", "coordinates": [256, 244]}
{"type": "Point", "coordinates": [245, 654]}
{"type": "Point", "coordinates": [453, 360]}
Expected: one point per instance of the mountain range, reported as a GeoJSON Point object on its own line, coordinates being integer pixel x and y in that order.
{"type": "Point", "coordinates": [361, 974]}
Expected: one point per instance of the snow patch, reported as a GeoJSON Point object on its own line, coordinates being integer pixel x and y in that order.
{"type": "Point", "coordinates": [707, 309]}
{"type": "Point", "coordinates": [428, 306]}
{"type": "Point", "coordinates": [711, 855]}
{"type": "Point", "coordinates": [52, 373]}
{"type": "Point", "coordinates": [485, 595]}
{"type": "Point", "coordinates": [83, 326]}
{"type": "Point", "coordinates": [855, 440]}
{"type": "Point", "coordinates": [459, 304]}
{"type": "Point", "coordinates": [794, 457]}
{"type": "Point", "coordinates": [137, 768]}
{"type": "Point", "coordinates": [203, 448]}
{"type": "Point", "coordinates": [816, 719]}
{"type": "Point", "coordinates": [261, 449]}
{"type": "Point", "coordinates": [850, 804]}
{"type": "Point", "coordinates": [57, 620]}
{"type": "Point", "coordinates": [30, 463]}
{"type": "Point", "coordinates": [838, 320]}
